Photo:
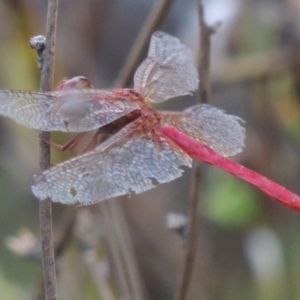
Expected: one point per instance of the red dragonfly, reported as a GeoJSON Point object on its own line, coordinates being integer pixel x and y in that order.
{"type": "Point", "coordinates": [150, 146]}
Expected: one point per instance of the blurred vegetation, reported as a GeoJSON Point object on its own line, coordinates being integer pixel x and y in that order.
{"type": "Point", "coordinates": [249, 245]}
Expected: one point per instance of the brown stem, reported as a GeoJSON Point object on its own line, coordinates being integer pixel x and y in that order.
{"type": "Point", "coordinates": [204, 57]}
{"type": "Point", "coordinates": [192, 236]}
{"type": "Point", "coordinates": [111, 238]}
{"type": "Point", "coordinates": [193, 212]}
{"type": "Point", "coordinates": [59, 246]}
{"type": "Point", "coordinates": [125, 254]}
{"type": "Point", "coordinates": [45, 206]}
{"type": "Point", "coordinates": [153, 22]}
{"type": "Point", "coordinates": [122, 233]}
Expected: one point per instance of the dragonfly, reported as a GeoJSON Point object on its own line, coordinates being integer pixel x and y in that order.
{"type": "Point", "coordinates": [147, 146]}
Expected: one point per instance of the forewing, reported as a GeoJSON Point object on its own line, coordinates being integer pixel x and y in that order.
{"type": "Point", "coordinates": [212, 126]}
{"type": "Point", "coordinates": [69, 110]}
{"type": "Point", "coordinates": [168, 71]}
{"type": "Point", "coordinates": [116, 167]}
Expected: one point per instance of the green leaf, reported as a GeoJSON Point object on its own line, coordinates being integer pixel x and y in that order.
{"type": "Point", "coordinates": [229, 201]}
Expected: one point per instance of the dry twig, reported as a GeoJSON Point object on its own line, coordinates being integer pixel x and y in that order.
{"type": "Point", "coordinates": [45, 206]}
{"type": "Point", "coordinates": [193, 212]}
{"type": "Point", "coordinates": [153, 22]}
{"type": "Point", "coordinates": [121, 232]}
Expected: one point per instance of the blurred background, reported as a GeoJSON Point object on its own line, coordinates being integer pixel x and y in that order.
{"type": "Point", "coordinates": [248, 244]}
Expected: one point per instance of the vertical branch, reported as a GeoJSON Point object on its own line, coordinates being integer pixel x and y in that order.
{"type": "Point", "coordinates": [112, 240]}
{"type": "Point", "coordinates": [123, 237]}
{"type": "Point", "coordinates": [125, 253]}
{"type": "Point", "coordinates": [204, 56]}
{"type": "Point", "coordinates": [192, 236]}
{"type": "Point", "coordinates": [193, 212]}
{"type": "Point", "coordinates": [45, 206]}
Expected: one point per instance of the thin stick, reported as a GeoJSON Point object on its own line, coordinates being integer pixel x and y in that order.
{"type": "Point", "coordinates": [193, 212]}
{"type": "Point", "coordinates": [204, 57]}
{"type": "Point", "coordinates": [153, 22]}
{"type": "Point", "coordinates": [45, 206]}
{"type": "Point", "coordinates": [59, 246]}
{"type": "Point", "coordinates": [126, 248]}
{"type": "Point", "coordinates": [111, 238]}
{"type": "Point", "coordinates": [192, 236]}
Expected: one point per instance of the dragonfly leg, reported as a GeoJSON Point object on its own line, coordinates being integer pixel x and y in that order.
{"type": "Point", "coordinates": [93, 142]}
{"type": "Point", "coordinates": [70, 145]}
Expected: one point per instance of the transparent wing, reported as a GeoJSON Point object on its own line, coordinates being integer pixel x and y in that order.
{"type": "Point", "coordinates": [118, 166]}
{"type": "Point", "coordinates": [212, 126]}
{"type": "Point", "coordinates": [168, 71]}
{"type": "Point", "coordinates": [68, 110]}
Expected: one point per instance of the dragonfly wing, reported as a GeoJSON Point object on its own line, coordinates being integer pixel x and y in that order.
{"type": "Point", "coordinates": [211, 126]}
{"type": "Point", "coordinates": [117, 167]}
{"type": "Point", "coordinates": [168, 71]}
{"type": "Point", "coordinates": [69, 110]}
